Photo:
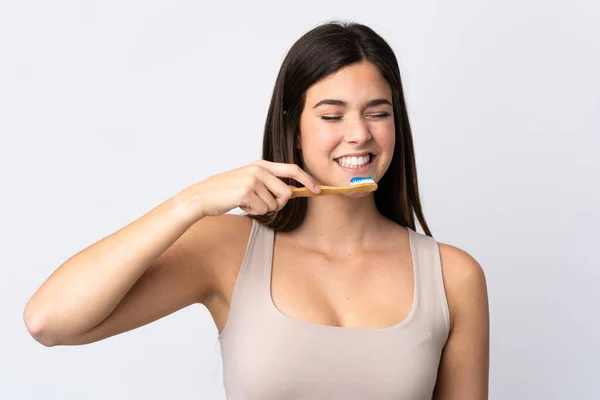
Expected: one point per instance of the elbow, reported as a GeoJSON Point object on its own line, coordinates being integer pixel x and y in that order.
{"type": "Point", "coordinates": [37, 327]}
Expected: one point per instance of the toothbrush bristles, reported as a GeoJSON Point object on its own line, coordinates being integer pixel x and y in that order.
{"type": "Point", "coordinates": [357, 180]}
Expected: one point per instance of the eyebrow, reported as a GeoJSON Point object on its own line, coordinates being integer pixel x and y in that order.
{"type": "Point", "coordinates": [334, 102]}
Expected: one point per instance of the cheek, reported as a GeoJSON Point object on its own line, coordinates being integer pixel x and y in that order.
{"type": "Point", "coordinates": [319, 141]}
{"type": "Point", "coordinates": [327, 139]}
{"type": "Point", "coordinates": [385, 137]}
{"type": "Point", "coordinates": [386, 140]}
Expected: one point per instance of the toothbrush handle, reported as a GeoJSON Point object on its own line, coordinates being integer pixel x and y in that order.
{"type": "Point", "coordinates": [325, 190]}
{"type": "Point", "coordinates": [304, 192]}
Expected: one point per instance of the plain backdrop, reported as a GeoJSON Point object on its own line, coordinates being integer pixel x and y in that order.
{"type": "Point", "coordinates": [108, 108]}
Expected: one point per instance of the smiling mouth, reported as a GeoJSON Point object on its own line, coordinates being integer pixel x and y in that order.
{"type": "Point", "coordinates": [355, 162]}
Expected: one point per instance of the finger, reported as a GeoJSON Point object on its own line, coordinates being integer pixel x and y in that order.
{"type": "Point", "coordinates": [272, 182]}
{"type": "Point", "coordinates": [281, 190]}
{"type": "Point", "coordinates": [266, 196]}
{"type": "Point", "coordinates": [253, 204]}
{"type": "Point", "coordinates": [290, 171]}
{"type": "Point", "coordinates": [258, 176]}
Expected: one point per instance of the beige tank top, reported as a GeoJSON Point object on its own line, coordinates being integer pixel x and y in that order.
{"type": "Point", "coordinates": [269, 355]}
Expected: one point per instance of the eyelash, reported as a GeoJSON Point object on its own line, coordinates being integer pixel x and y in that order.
{"type": "Point", "coordinates": [334, 119]}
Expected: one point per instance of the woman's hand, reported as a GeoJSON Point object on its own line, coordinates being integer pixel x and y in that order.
{"type": "Point", "coordinates": [255, 188]}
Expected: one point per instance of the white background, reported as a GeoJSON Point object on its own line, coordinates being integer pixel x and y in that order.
{"type": "Point", "coordinates": [109, 108]}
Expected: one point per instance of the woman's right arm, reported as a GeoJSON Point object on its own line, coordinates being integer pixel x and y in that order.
{"type": "Point", "coordinates": [162, 262]}
{"type": "Point", "coordinates": [70, 307]}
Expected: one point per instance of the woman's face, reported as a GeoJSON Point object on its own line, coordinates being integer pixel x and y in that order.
{"type": "Point", "coordinates": [347, 126]}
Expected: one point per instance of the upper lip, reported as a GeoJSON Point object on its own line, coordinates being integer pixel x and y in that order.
{"type": "Point", "coordinates": [364, 153]}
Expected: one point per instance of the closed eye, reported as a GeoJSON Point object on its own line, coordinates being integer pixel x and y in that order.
{"type": "Point", "coordinates": [329, 118]}
{"type": "Point", "coordinates": [337, 118]}
{"type": "Point", "coordinates": [381, 115]}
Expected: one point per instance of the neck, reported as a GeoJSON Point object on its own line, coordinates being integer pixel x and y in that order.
{"type": "Point", "coordinates": [339, 223]}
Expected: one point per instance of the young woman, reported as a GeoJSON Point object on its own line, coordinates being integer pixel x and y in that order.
{"type": "Point", "coordinates": [326, 297]}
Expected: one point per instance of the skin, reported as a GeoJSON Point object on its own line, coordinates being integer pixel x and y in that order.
{"type": "Point", "coordinates": [360, 246]}
{"type": "Point", "coordinates": [353, 260]}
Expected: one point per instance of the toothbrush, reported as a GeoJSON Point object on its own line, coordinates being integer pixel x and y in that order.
{"type": "Point", "coordinates": [357, 185]}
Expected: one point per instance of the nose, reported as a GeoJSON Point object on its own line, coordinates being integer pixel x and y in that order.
{"type": "Point", "coordinates": [357, 131]}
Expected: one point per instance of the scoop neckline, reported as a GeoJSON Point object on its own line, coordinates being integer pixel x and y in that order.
{"type": "Point", "coordinates": [314, 325]}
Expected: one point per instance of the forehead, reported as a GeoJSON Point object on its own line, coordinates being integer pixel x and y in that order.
{"type": "Point", "coordinates": [361, 81]}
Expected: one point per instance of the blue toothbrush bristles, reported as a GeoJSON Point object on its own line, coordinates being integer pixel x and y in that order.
{"type": "Point", "coordinates": [357, 180]}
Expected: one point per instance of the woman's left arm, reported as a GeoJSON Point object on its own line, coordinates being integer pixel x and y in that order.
{"type": "Point", "coordinates": [463, 373]}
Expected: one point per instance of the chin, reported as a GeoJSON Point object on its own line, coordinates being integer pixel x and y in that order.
{"type": "Point", "coordinates": [358, 195]}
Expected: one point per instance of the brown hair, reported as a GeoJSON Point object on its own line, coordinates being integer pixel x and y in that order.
{"type": "Point", "coordinates": [318, 53]}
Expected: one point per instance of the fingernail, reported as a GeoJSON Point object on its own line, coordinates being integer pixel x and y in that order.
{"type": "Point", "coordinates": [317, 189]}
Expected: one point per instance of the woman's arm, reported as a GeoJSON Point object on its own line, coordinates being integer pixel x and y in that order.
{"type": "Point", "coordinates": [87, 288]}
{"type": "Point", "coordinates": [160, 263]}
{"type": "Point", "coordinates": [464, 368]}
{"type": "Point", "coordinates": [163, 261]}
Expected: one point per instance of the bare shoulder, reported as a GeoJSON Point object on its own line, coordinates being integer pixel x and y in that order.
{"type": "Point", "coordinates": [459, 266]}
{"type": "Point", "coordinates": [223, 242]}
{"type": "Point", "coordinates": [464, 279]}
{"type": "Point", "coordinates": [464, 367]}
{"type": "Point", "coordinates": [218, 239]}
{"type": "Point", "coordinates": [204, 253]}
{"type": "Point", "coordinates": [225, 230]}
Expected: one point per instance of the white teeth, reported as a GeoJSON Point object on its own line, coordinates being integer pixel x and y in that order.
{"type": "Point", "coordinates": [354, 162]}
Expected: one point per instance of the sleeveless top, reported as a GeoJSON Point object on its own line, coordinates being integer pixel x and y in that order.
{"type": "Point", "coordinates": [268, 355]}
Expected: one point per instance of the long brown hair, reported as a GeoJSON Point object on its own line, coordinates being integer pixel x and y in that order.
{"type": "Point", "coordinates": [318, 53]}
